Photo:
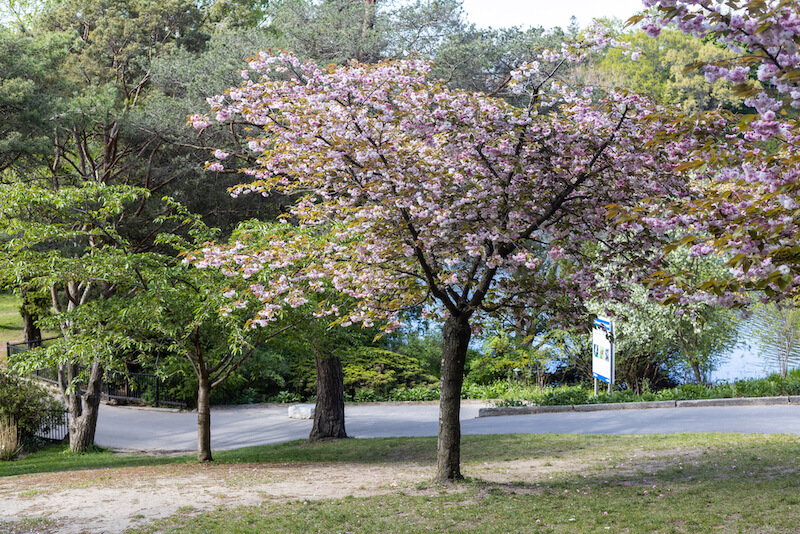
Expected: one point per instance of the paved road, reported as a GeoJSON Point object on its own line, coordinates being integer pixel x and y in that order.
{"type": "Point", "coordinates": [243, 426]}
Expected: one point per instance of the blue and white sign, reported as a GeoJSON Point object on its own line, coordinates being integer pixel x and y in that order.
{"type": "Point", "coordinates": [603, 350]}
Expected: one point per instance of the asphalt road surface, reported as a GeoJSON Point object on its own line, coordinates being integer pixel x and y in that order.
{"type": "Point", "coordinates": [244, 426]}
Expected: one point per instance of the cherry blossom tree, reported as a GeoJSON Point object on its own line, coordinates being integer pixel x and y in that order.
{"type": "Point", "coordinates": [746, 204]}
{"type": "Point", "coordinates": [456, 201]}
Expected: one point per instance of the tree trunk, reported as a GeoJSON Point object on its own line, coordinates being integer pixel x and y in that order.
{"type": "Point", "coordinates": [329, 411]}
{"type": "Point", "coordinates": [698, 374]}
{"type": "Point", "coordinates": [455, 335]}
{"type": "Point", "coordinates": [203, 414]}
{"type": "Point", "coordinates": [32, 334]}
{"type": "Point", "coordinates": [83, 409]}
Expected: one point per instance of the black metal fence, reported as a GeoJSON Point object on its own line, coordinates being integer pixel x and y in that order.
{"type": "Point", "coordinates": [126, 387]}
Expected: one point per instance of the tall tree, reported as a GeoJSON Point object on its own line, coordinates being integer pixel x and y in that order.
{"type": "Point", "coordinates": [448, 198]}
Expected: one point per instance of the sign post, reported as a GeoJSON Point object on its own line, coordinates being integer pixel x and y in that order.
{"type": "Point", "coordinates": [603, 352]}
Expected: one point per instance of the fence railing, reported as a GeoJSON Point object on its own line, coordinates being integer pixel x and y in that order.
{"type": "Point", "coordinates": [127, 387]}
{"type": "Point", "coordinates": [55, 427]}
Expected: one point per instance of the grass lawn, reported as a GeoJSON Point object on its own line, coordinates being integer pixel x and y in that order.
{"type": "Point", "coordinates": [515, 483]}
{"type": "Point", "coordinates": [10, 320]}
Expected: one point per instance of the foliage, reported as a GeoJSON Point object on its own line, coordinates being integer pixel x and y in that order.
{"type": "Point", "coordinates": [746, 189]}
{"type": "Point", "coordinates": [511, 358]}
{"type": "Point", "coordinates": [379, 245]}
{"type": "Point", "coordinates": [503, 393]}
{"type": "Point", "coordinates": [425, 348]}
{"type": "Point", "coordinates": [26, 405]}
{"type": "Point", "coordinates": [370, 374]}
{"type": "Point", "coordinates": [662, 68]}
{"type": "Point", "coordinates": [367, 31]}
{"type": "Point", "coordinates": [381, 371]}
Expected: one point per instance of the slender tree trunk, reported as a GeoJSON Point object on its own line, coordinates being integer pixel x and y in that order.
{"type": "Point", "coordinates": [698, 374]}
{"type": "Point", "coordinates": [83, 409]}
{"type": "Point", "coordinates": [329, 411]}
{"type": "Point", "coordinates": [456, 335]}
{"type": "Point", "coordinates": [203, 414]}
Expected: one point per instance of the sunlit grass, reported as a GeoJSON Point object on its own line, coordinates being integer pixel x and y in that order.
{"type": "Point", "coordinates": [10, 320]}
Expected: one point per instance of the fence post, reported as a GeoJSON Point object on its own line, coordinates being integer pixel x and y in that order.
{"type": "Point", "coordinates": [157, 390]}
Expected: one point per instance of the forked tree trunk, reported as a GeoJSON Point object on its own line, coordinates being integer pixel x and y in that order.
{"type": "Point", "coordinates": [456, 334]}
{"type": "Point", "coordinates": [83, 409]}
{"type": "Point", "coordinates": [203, 414]}
{"type": "Point", "coordinates": [329, 411]}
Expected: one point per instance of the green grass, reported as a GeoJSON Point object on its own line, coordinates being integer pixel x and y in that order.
{"type": "Point", "coordinates": [676, 483]}
{"type": "Point", "coordinates": [10, 319]}
{"type": "Point", "coordinates": [635, 483]}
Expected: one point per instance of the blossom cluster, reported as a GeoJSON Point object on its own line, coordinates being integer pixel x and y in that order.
{"type": "Point", "coordinates": [418, 194]}
{"type": "Point", "coordinates": [748, 206]}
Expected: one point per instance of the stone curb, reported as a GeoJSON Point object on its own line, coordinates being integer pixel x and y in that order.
{"type": "Point", "coordinates": [522, 410]}
{"type": "Point", "coordinates": [738, 401]}
{"type": "Point", "coordinates": [623, 406]}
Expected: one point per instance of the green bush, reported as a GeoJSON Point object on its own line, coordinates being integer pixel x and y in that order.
{"type": "Point", "coordinates": [28, 404]}
{"type": "Point", "coordinates": [565, 395]}
{"type": "Point", "coordinates": [285, 397]}
{"type": "Point", "coordinates": [381, 371]}
{"type": "Point", "coordinates": [418, 393]}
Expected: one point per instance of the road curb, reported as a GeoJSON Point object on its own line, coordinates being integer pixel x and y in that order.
{"type": "Point", "coordinates": [645, 405]}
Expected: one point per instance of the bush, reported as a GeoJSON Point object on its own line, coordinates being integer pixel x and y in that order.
{"type": "Point", "coordinates": [286, 397]}
{"type": "Point", "coordinates": [565, 395]}
{"type": "Point", "coordinates": [418, 393]}
{"type": "Point", "coordinates": [381, 372]}
{"type": "Point", "coordinates": [26, 405]}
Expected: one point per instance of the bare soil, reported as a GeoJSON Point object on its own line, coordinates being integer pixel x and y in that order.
{"type": "Point", "coordinates": [112, 500]}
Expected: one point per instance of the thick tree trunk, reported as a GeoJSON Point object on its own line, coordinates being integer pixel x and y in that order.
{"type": "Point", "coordinates": [31, 332]}
{"type": "Point", "coordinates": [329, 411]}
{"type": "Point", "coordinates": [203, 415]}
{"type": "Point", "coordinates": [456, 335]}
{"type": "Point", "coordinates": [83, 409]}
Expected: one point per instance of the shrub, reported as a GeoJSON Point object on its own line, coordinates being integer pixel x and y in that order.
{"type": "Point", "coordinates": [286, 397]}
{"type": "Point", "coordinates": [418, 393]}
{"type": "Point", "coordinates": [381, 371]}
{"type": "Point", "coordinates": [27, 404]}
{"type": "Point", "coordinates": [565, 395]}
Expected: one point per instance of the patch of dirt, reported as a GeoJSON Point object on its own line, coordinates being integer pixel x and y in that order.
{"type": "Point", "coordinates": [112, 500]}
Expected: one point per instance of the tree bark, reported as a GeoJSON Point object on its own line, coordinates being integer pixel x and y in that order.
{"type": "Point", "coordinates": [329, 411]}
{"type": "Point", "coordinates": [32, 334]}
{"type": "Point", "coordinates": [698, 374]}
{"type": "Point", "coordinates": [456, 335]}
{"type": "Point", "coordinates": [83, 409]}
{"type": "Point", "coordinates": [203, 414]}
